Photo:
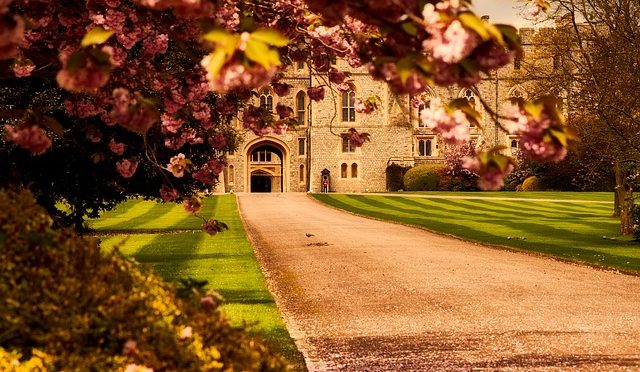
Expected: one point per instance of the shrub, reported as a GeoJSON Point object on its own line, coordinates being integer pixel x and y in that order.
{"type": "Point", "coordinates": [423, 177]}
{"type": "Point", "coordinates": [531, 184]}
{"type": "Point", "coordinates": [69, 306]}
{"type": "Point", "coordinates": [635, 221]}
{"type": "Point", "coordinates": [395, 176]}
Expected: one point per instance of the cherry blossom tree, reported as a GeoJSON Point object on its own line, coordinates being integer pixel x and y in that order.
{"type": "Point", "coordinates": [153, 85]}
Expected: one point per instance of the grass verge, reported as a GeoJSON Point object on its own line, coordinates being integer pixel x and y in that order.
{"type": "Point", "coordinates": [170, 240]}
{"type": "Point", "coordinates": [580, 232]}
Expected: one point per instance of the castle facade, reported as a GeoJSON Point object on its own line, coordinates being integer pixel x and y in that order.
{"type": "Point", "coordinates": [319, 148]}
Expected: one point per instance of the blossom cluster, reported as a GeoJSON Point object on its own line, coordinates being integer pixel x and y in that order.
{"type": "Point", "coordinates": [453, 126]}
{"type": "Point", "coordinates": [540, 137]}
{"type": "Point", "coordinates": [30, 137]}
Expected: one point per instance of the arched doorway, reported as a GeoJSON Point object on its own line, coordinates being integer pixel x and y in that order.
{"type": "Point", "coordinates": [266, 166]}
{"type": "Point", "coordinates": [261, 181]}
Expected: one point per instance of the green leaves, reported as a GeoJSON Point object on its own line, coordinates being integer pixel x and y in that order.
{"type": "Point", "coordinates": [495, 158]}
{"type": "Point", "coordinates": [472, 22]}
{"type": "Point", "coordinates": [414, 63]}
{"type": "Point", "coordinates": [223, 39]}
{"type": "Point", "coordinates": [259, 47]}
{"type": "Point", "coordinates": [270, 37]}
{"type": "Point", "coordinates": [260, 53]}
{"type": "Point", "coordinates": [96, 36]}
{"type": "Point", "coordinates": [217, 59]}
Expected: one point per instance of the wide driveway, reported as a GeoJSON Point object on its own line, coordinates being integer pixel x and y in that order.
{"type": "Point", "coordinates": [364, 295]}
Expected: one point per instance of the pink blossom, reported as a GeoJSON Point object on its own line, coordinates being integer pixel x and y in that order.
{"type": "Point", "coordinates": [284, 111]}
{"type": "Point", "coordinates": [31, 138]}
{"type": "Point", "coordinates": [129, 347]}
{"type": "Point", "coordinates": [153, 46]}
{"type": "Point", "coordinates": [11, 35]}
{"type": "Point", "coordinates": [491, 177]}
{"type": "Point", "coordinates": [257, 120]}
{"type": "Point", "coordinates": [207, 302]}
{"type": "Point", "coordinates": [533, 135]}
{"type": "Point", "coordinates": [225, 106]}
{"type": "Point", "coordinates": [363, 107]}
{"type": "Point", "coordinates": [177, 165]}
{"type": "Point", "coordinates": [237, 75]}
{"type": "Point", "coordinates": [281, 89]}
{"type": "Point", "coordinates": [93, 134]}
{"type": "Point", "coordinates": [170, 124]}
{"type": "Point", "coordinates": [316, 93]}
{"type": "Point", "coordinates": [137, 368]}
{"type": "Point", "coordinates": [336, 77]}
{"type": "Point", "coordinates": [454, 126]}
{"type": "Point", "coordinates": [22, 68]}
{"type": "Point", "coordinates": [4, 6]}
{"type": "Point", "coordinates": [88, 77]}
{"type": "Point", "coordinates": [211, 227]}
{"type": "Point", "coordinates": [127, 168]}
{"type": "Point", "coordinates": [490, 56]}
{"type": "Point", "coordinates": [131, 114]}
{"type": "Point", "coordinates": [357, 139]}
{"type": "Point", "coordinates": [218, 141]}
{"type": "Point", "coordinates": [206, 175]}
{"type": "Point", "coordinates": [168, 193]}
{"type": "Point", "coordinates": [201, 112]}
{"type": "Point", "coordinates": [451, 44]}
{"type": "Point", "coordinates": [116, 147]}
{"type": "Point", "coordinates": [281, 127]}
{"type": "Point", "coordinates": [192, 205]}
{"type": "Point", "coordinates": [81, 107]}
{"type": "Point", "coordinates": [186, 333]}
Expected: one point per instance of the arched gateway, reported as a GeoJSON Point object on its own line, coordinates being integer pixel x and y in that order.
{"type": "Point", "coordinates": [266, 165]}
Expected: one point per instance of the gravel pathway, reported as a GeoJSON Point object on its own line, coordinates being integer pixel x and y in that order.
{"type": "Point", "coordinates": [365, 295]}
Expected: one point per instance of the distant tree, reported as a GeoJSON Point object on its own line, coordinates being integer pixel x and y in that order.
{"type": "Point", "coordinates": [589, 60]}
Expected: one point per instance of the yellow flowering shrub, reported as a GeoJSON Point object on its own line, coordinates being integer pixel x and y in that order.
{"type": "Point", "coordinates": [68, 306]}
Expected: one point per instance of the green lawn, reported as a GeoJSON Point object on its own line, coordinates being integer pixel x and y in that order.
{"type": "Point", "coordinates": [556, 195]}
{"type": "Point", "coordinates": [570, 231]}
{"type": "Point", "coordinates": [170, 240]}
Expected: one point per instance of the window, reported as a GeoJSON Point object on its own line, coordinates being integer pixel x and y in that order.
{"type": "Point", "coordinates": [300, 108]}
{"type": "Point", "coordinates": [346, 145]}
{"type": "Point", "coordinates": [424, 147]}
{"type": "Point", "coordinates": [301, 173]}
{"type": "Point", "coordinates": [421, 124]}
{"type": "Point", "coordinates": [343, 170]}
{"type": "Point", "coordinates": [513, 142]}
{"type": "Point", "coordinates": [302, 146]}
{"type": "Point", "coordinates": [470, 96]}
{"type": "Point", "coordinates": [354, 170]}
{"type": "Point", "coordinates": [348, 106]}
{"type": "Point", "coordinates": [517, 62]}
{"type": "Point", "coordinates": [261, 156]}
{"type": "Point", "coordinates": [266, 100]}
{"type": "Point", "coordinates": [232, 174]}
{"type": "Point", "coordinates": [300, 65]}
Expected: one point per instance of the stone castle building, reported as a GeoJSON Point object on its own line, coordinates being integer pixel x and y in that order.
{"type": "Point", "coordinates": [297, 160]}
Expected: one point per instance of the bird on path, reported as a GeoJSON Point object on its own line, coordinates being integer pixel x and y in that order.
{"type": "Point", "coordinates": [309, 235]}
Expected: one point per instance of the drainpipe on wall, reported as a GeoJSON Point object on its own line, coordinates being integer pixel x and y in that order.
{"type": "Point", "coordinates": [497, 124]}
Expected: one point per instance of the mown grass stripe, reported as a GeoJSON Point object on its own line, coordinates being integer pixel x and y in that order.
{"type": "Point", "coordinates": [569, 231]}
{"type": "Point", "coordinates": [226, 261]}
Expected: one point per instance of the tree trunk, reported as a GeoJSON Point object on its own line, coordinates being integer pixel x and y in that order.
{"type": "Point", "coordinates": [616, 204]}
{"type": "Point", "coordinates": [624, 194]}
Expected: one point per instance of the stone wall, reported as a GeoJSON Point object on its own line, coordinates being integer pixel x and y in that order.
{"type": "Point", "coordinates": [393, 128]}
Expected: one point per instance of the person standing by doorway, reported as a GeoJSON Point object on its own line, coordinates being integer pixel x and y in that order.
{"type": "Point", "coordinates": [325, 184]}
